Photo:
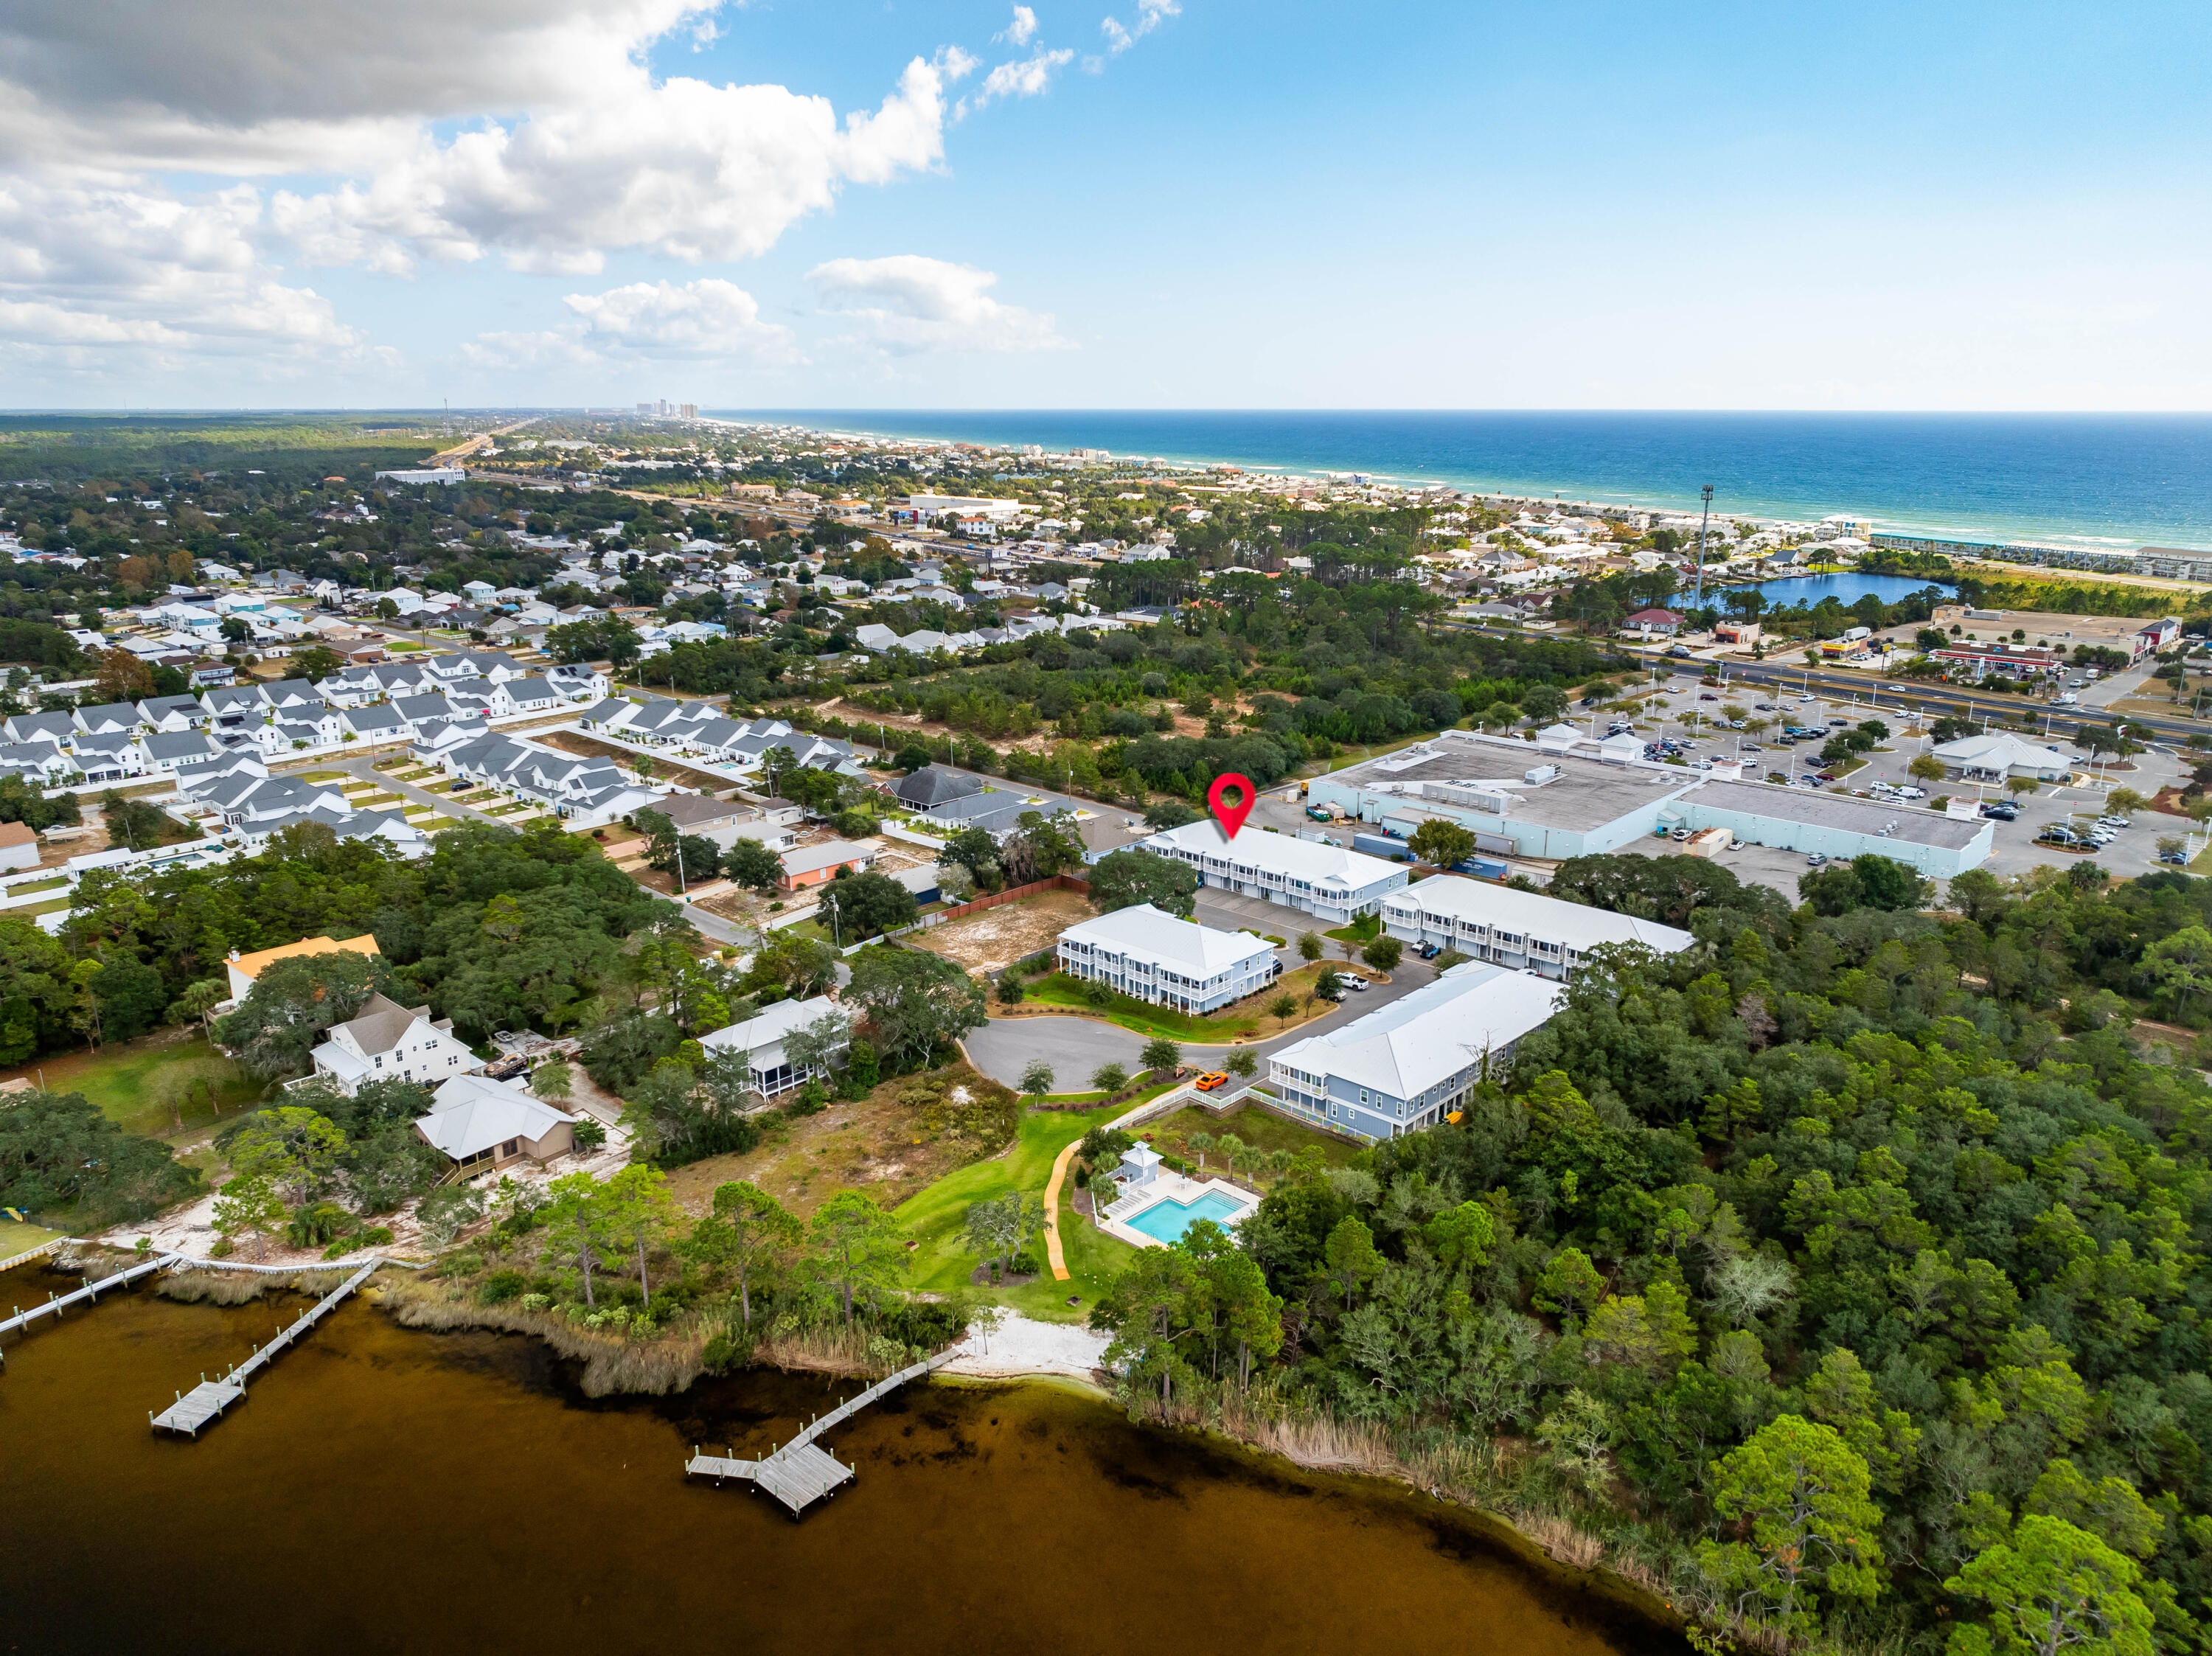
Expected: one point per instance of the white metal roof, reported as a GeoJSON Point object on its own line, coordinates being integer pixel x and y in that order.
{"type": "Point", "coordinates": [756, 1035]}
{"type": "Point", "coordinates": [1277, 853]}
{"type": "Point", "coordinates": [1161, 938]}
{"type": "Point", "coordinates": [1405, 1048]}
{"type": "Point", "coordinates": [473, 1114]}
{"type": "Point", "coordinates": [1552, 918]}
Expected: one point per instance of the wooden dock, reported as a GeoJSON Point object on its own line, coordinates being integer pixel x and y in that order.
{"type": "Point", "coordinates": [88, 1295]}
{"type": "Point", "coordinates": [206, 1402]}
{"type": "Point", "coordinates": [800, 1473]}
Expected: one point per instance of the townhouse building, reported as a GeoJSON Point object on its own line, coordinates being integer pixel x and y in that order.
{"type": "Point", "coordinates": [1334, 885]}
{"type": "Point", "coordinates": [1155, 956]}
{"type": "Point", "coordinates": [1524, 930]}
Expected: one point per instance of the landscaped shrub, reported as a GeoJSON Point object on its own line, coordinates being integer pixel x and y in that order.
{"type": "Point", "coordinates": [502, 1286]}
{"type": "Point", "coordinates": [589, 1134]}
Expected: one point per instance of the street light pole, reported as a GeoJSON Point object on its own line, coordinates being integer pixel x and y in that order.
{"type": "Point", "coordinates": [1699, 599]}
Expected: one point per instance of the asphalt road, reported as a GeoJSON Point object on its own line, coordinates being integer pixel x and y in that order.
{"type": "Point", "coordinates": [1076, 1046]}
{"type": "Point", "coordinates": [1874, 690]}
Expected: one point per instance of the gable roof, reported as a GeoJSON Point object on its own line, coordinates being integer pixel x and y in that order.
{"type": "Point", "coordinates": [1405, 1048]}
{"type": "Point", "coordinates": [379, 1025]}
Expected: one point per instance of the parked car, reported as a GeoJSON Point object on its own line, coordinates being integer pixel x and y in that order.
{"type": "Point", "coordinates": [1816, 860]}
{"type": "Point", "coordinates": [1359, 984]}
{"type": "Point", "coordinates": [1211, 1079]}
{"type": "Point", "coordinates": [1908, 792]}
{"type": "Point", "coordinates": [1707, 695]}
{"type": "Point", "coordinates": [2002, 810]}
{"type": "Point", "coordinates": [1428, 951]}
{"type": "Point", "coordinates": [2173, 856]}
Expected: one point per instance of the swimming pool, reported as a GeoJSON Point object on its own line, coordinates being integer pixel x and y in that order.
{"type": "Point", "coordinates": [1166, 1220]}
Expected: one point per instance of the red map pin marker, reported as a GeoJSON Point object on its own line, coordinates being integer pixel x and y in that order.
{"type": "Point", "coordinates": [1230, 799]}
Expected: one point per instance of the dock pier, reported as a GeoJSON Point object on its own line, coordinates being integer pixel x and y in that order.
{"type": "Point", "coordinates": [206, 1402]}
{"type": "Point", "coordinates": [799, 1474]}
{"type": "Point", "coordinates": [88, 1295]}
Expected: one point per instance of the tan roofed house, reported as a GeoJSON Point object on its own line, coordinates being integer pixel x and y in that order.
{"type": "Point", "coordinates": [19, 846]}
{"type": "Point", "coordinates": [386, 1041]}
{"type": "Point", "coordinates": [245, 968]}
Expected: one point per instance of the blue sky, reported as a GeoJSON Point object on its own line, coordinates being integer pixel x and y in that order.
{"type": "Point", "coordinates": [1282, 205]}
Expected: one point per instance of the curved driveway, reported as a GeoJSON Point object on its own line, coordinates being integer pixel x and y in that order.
{"type": "Point", "coordinates": [1075, 1046]}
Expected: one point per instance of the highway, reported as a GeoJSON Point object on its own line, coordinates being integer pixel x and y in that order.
{"type": "Point", "coordinates": [1878, 692]}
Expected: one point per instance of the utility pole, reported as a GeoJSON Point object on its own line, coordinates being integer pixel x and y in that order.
{"type": "Point", "coordinates": [1698, 600]}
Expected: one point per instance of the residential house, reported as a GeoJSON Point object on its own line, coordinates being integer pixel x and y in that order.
{"type": "Point", "coordinates": [810, 865]}
{"type": "Point", "coordinates": [482, 1125]}
{"type": "Point", "coordinates": [760, 1039]}
{"type": "Point", "coordinates": [245, 970]}
{"type": "Point", "coordinates": [386, 1041]}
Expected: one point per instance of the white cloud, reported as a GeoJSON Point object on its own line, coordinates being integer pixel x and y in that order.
{"type": "Point", "coordinates": [92, 276]}
{"type": "Point", "coordinates": [706, 321]}
{"type": "Point", "coordinates": [1024, 78]}
{"type": "Point", "coordinates": [909, 303]}
{"type": "Point", "coordinates": [681, 168]}
{"type": "Point", "coordinates": [1022, 30]}
{"type": "Point", "coordinates": [1151, 14]}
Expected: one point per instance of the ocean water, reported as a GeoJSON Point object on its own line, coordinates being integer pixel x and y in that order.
{"type": "Point", "coordinates": [2095, 481]}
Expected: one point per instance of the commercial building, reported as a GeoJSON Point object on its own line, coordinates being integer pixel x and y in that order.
{"type": "Point", "coordinates": [1587, 797]}
{"type": "Point", "coordinates": [1524, 930]}
{"type": "Point", "coordinates": [1334, 885]}
{"type": "Point", "coordinates": [1406, 1065]}
{"type": "Point", "coordinates": [1998, 755]}
{"type": "Point", "coordinates": [1158, 957]}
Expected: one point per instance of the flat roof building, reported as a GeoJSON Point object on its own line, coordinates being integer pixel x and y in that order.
{"type": "Point", "coordinates": [1155, 956]}
{"type": "Point", "coordinates": [1405, 1066]}
{"type": "Point", "coordinates": [1325, 880]}
{"type": "Point", "coordinates": [1562, 801]}
{"type": "Point", "coordinates": [1525, 929]}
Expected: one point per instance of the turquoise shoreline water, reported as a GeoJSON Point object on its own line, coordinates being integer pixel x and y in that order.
{"type": "Point", "coordinates": [2098, 482]}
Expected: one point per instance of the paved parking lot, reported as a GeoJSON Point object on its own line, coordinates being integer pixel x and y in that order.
{"type": "Point", "coordinates": [2015, 851]}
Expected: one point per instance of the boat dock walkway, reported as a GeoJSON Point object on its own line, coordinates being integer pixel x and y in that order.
{"type": "Point", "coordinates": [56, 1304]}
{"type": "Point", "coordinates": [799, 1474]}
{"type": "Point", "coordinates": [206, 1402]}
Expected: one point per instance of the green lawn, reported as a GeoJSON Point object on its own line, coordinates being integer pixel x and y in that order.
{"type": "Point", "coordinates": [16, 1239]}
{"type": "Point", "coordinates": [934, 1217]}
{"type": "Point", "coordinates": [1244, 1019]}
{"type": "Point", "coordinates": [1259, 1129]}
{"type": "Point", "coordinates": [123, 1082]}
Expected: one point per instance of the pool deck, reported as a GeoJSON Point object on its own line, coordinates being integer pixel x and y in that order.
{"type": "Point", "coordinates": [1171, 1187]}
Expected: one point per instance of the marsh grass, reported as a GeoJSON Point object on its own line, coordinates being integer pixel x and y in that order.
{"type": "Point", "coordinates": [667, 1363]}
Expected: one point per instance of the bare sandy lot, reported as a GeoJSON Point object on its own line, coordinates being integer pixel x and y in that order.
{"type": "Point", "coordinates": [998, 936]}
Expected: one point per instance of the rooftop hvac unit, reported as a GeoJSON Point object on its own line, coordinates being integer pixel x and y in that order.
{"type": "Point", "coordinates": [1542, 773]}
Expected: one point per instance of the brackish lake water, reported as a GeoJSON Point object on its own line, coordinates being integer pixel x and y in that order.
{"type": "Point", "coordinates": [383, 1489]}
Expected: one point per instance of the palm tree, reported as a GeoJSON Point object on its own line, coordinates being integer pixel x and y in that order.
{"type": "Point", "coordinates": [1230, 1147]}
{"type": "Point", "coordinates": [1201, 1142]}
